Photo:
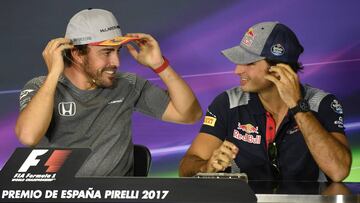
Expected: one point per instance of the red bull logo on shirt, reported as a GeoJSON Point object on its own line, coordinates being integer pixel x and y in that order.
{"type": "Point", "coordinates": [247, 133]}
{"type": "Point", "coordinates": [248, 128]}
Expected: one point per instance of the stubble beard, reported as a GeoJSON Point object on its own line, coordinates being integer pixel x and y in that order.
{"type": "Point", "coordinates": [96, 78]}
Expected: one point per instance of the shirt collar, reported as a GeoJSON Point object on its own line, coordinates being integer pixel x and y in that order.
{"type": "Point", "coordinates": [255, 104]}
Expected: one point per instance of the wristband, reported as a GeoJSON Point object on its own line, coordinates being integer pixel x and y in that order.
{"type": "Point", "coordinates": [162, 67]}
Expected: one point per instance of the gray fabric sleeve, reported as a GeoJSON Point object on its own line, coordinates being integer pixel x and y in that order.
{"type": "Point", "coordinates": [29, 90]}
{"type": "Point", "coordinates": [153, 100]}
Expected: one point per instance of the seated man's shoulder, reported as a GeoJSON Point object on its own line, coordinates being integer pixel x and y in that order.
{"type": "Point", "coordinates": [39, 80]}
{"type": "Point", "coordinates": [312, 92]}
{"type": "Point", "coordinates": [316, 96]}
{"type": "Point", "coordinates": [131, 78]}
{"type": "Point", "coordinates": [232, 98]}
{"type": "Point", "coordinates": [237, 97]}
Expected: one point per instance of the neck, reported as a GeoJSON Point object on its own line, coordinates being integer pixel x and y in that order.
{"type": "Point", "coordinates": [272, 101]}
{"type": "Point", "coordinates": [79, 78]}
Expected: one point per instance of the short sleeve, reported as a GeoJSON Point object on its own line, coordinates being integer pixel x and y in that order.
{"type": "Point", "coordinates": [331, 114]}
{"type": "Point", "coordinates": [152, 100]}
{"type": "Point", "coordinates": [215, 121]}
{"type": "Point", "coordinates": [29, 90]}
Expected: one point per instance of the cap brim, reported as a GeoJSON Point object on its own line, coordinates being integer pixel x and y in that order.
{"type": "Point", "coordinates": [119, 40]}
{"type": "Point", "coordinates": [239, 55]}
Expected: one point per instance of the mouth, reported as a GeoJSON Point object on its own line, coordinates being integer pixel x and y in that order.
{"type": "Point", "coordinates": [243, 78]}
{"type": "Point", "coordinates": [109, 71]}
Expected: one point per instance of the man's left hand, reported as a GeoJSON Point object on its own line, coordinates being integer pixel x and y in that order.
{"type": "Point", "coordinates": [287, 83]}
{"type": "Point", "coordinates": [149, 53]}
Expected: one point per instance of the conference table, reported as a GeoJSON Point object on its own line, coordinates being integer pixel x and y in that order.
{"type": "Point", "coordinates": [305, 191]}
{"type": "Point", "coordinates": [189, 190]}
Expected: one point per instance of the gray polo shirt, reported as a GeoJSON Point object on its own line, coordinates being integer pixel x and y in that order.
{"type": "Point", "coordinates": [99, 119]}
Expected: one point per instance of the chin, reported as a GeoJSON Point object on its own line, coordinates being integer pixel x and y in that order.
{"type": "Point", "coordinates": [244, 88]}
{"type": "Point", "coordinates": [248, 89]}
{"type": "Point", "coordinates": [106, 82]}
{"type": "Point", "coordinates": [107, 85]}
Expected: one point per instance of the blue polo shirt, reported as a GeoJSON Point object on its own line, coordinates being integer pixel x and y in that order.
{"type": "Point", "coordinates": [239, 117]}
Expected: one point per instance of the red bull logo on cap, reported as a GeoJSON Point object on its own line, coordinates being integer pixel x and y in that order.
{"type": "Point", "coordinates": [250, 32]}
{"type": "Point", "coordinates": [249, 37]}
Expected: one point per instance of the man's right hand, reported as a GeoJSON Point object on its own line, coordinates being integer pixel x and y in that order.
{"type": "Point", "coordinates": [52, 54]}
{"type": "Point", "coordinates": [221, 158]}
{"type": "Point", "coordinates": [34, 120]}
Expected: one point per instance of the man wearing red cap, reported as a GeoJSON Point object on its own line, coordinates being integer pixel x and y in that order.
{"type": "Point", "coordinates": [83, 102]}
{"type": "Point", "coordinates": [271, 127]}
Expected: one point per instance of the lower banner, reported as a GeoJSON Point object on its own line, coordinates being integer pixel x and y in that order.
{"type": "Point", "coordinates": [48, 175]}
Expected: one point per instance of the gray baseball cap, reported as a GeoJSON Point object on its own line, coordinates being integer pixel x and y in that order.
{"type": "Point", "coordinates": [95, 27]}
{"type": "Point", "coordinates": [271, 40]}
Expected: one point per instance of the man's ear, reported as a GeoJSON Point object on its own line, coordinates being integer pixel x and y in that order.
{"type": "Point", "coordinates": [77, 56]}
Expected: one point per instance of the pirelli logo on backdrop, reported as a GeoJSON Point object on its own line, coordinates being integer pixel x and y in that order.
{"type": "Point", "coordinates": [210, 121]}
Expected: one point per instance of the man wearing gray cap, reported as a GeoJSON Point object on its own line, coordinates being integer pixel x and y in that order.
{"type": "Point", "coordinates": [271, 127]}
{"type": "Point", "coordinates": [84, 102]}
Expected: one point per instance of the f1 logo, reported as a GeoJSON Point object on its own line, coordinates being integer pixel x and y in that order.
{"type": "Point", "coordinates": [32, 160]}
{"type": "Point", "coordinates": [54, 163]}
{"type": "Point", "coordinates": [67, 108]}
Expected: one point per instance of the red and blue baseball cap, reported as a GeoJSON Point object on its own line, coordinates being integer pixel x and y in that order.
{"type": "Point", "coordinates": [271, 40]}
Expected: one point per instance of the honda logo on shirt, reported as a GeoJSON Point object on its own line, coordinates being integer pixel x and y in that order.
{"type": "Point", "coordinates": [67, 108]}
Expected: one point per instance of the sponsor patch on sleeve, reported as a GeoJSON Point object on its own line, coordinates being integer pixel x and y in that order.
{"type": "Point", "coordinates": [24, 93]}
{"type": "Point", "coordinates": [339, 122]}
{"type": "Point", "coordinates": [336, 106]}
{"type": "Point", "coordinates": [210, 121]}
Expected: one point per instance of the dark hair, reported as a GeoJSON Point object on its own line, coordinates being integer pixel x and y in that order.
{"type": "Point", "coordinates": [297, 67]}
{"type": "Point", "coordinates": [67, 57]}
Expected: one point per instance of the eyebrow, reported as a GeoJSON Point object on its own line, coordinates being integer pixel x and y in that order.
{"type": "Point", "coordinates": [107, 49]}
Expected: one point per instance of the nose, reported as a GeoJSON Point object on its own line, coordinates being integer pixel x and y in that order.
{"type": "Point", "coordinates": [115, 60]}
{"type": "Point", "coordinates": [240, 69]}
